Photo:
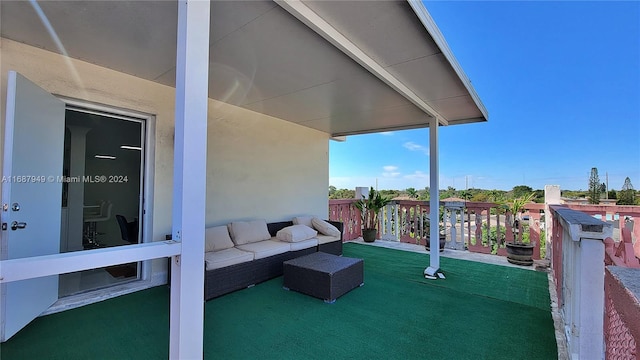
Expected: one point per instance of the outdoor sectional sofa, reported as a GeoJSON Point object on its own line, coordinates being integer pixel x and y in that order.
{"type": "Point", "coordinates": [246, 253]}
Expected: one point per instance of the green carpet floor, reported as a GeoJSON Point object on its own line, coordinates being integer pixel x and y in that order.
{"type": "Point", "coordinates": [479, 312]}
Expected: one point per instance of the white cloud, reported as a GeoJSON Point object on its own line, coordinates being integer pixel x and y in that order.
{"type": "Point", "coordinates": [390, 171]}
{"type": "Point", "coordinates": [386, 133]}
{"type": "Point", "coordinates": [416, 147]}
{"type": "Point", "coordinates": [417, 175]}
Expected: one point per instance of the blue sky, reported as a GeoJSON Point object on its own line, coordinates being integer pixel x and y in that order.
{"type": "Point", "coordinates": [561, 83]}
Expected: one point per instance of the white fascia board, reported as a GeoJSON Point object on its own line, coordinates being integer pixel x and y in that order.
{"type": "Point", "coordinates": [383, 129]}
{"type": "Point", "coordinates": [316, 23]}
{"type": "Point", "coordinates": [431, 27]}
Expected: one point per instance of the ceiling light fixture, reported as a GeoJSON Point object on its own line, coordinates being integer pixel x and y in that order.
{"type": "Point", "coordinates": [130, 147]}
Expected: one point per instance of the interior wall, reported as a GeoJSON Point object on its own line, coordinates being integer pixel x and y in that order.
{"type": "Point", "coordinates": [258, 166]}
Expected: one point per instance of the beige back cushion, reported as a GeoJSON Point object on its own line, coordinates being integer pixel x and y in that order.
{"type": "Point", "coordinates": [217, 238]}
{"type": "Point", "coordinates": [303, 220]}
{"type": "Point", "coordinates": [245, 232]}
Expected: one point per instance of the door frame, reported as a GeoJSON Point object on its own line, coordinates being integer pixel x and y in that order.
{"type": "Point", "coordinates": [146, 205]}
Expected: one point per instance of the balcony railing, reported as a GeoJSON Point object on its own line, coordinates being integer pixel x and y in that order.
{"type": "Point", "coordinates": [594, 253]}
{"type": "Point", "coordinates": [476, 226]}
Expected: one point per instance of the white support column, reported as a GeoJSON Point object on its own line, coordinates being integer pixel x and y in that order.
{"type": "Point", "coordinates": [551, 197]}
{"type": "Point", "coordinates": [452, 218]}
{"type": "Point", "coordinates": [189, 182]}
{"type": "Point", "coordinates": [388, 231]}
{"type": "Point", "coordinates": [434, 201]}
{"type": "Point", "coordinates": [396, 223]}
{"type": "Point", "coordinates": [387, 228]}
{"type": "Point", "coordinates": [452, 212]}
{"type": "Point", "coordinates": [462, 244]}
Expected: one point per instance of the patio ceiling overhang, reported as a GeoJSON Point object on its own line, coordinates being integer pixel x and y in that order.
{"type": "Point", "coordinates": [344, 68]}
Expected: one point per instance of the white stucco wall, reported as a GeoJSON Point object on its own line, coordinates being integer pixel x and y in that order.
{"type": "Point", "coordinates": [258, 166]}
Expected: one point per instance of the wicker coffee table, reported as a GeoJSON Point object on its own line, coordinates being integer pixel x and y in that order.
{"type": "Point", "coordinates": [323, 275]}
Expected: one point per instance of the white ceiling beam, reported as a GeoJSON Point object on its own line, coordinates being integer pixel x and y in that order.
{"type": "Point", "coordinates": [316, 23]}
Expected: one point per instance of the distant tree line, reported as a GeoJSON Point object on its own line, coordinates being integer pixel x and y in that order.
{"type": "Point", "coordinates": [477, 195]}
{"type": "Point", "coordinates": [625, 196]}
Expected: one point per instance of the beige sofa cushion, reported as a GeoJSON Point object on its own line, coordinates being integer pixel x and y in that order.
{"type": "Point", "coordinates": [217, 238]}
{"type": "Point", "coordinates": [304, 244]}
{"type": "Point", "coordinates": [266, 248]}
{"type": "Point", "coordinates": [246, 232]}
{"type": "Point", "coordinates": [325, 227]}
{"type": "Point", "coordinates": [226, 257]}
{"type": "Point", "coordinates": [295, 233]}
{"type": "Point", "coordinates": [303, 220]}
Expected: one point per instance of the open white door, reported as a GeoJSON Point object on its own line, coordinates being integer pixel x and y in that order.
{"type": "Point", "coordinates": [31, 196]}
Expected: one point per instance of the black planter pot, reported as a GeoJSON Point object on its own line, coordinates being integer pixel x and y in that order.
{"type": "Point", "coordinates": [369, 235]}
{"type": "Point", "coordinates": [443, 240]}
{"type": "Point", "coordinates": [520, 254]}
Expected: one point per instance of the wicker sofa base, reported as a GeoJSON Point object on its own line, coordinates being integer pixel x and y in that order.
{"type": "Point", "coordinates": [334, 247]}
{"type": "Point", "coordinates": [227, 279]}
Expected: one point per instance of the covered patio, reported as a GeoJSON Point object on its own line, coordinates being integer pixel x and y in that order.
{"type": "Point", "coordinates": [240, 100]}
{"type": "Point", "coordinates": [481, 311]}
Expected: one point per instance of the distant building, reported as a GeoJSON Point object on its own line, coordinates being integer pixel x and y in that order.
{"type": "Point", "coordinates": [585, 201]}
{"type": "Point", "coordinates": [453, 199]}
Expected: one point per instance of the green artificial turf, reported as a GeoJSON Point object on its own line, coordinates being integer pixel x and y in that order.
{"type": "Point", "coordinates": [479, 312]}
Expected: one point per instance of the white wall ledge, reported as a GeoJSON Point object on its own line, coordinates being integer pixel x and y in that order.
{"type": "Point", "coordinates": [582, 226]}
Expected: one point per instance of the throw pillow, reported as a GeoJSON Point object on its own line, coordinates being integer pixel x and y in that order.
{"type": "Point", "coordinates": [325, 228]}
{"type": "Point", "coordinates": [295, 233]}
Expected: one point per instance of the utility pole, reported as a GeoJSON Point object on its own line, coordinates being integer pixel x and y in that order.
{"type": "Point", "coordinates": [606, 174]}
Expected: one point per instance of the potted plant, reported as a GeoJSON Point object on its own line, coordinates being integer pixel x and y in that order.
{"type": "Point", "coordinates": [441, 231]}
{"type": "Point", "coordinates": [369, 209]}
{"type": "Point", "coordinates": [518, 252]}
